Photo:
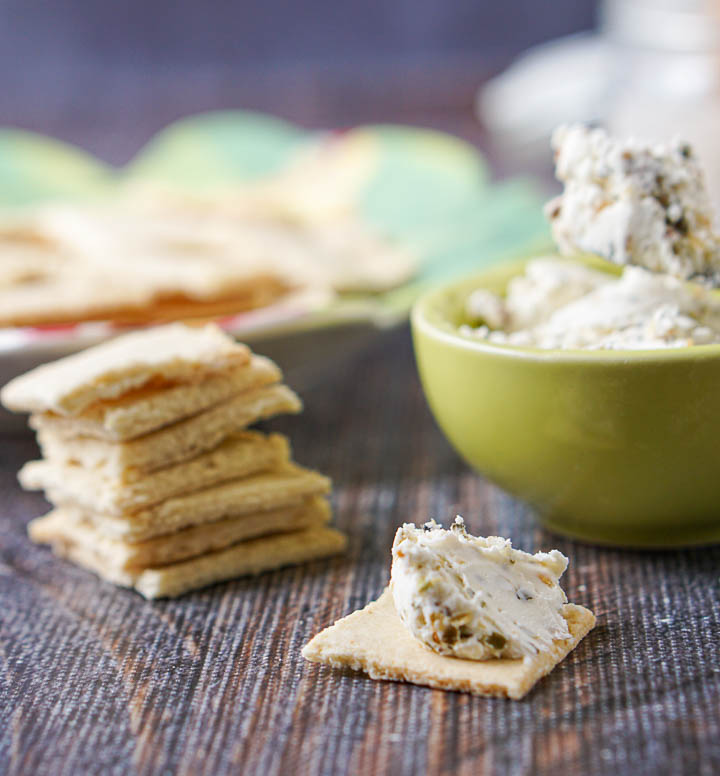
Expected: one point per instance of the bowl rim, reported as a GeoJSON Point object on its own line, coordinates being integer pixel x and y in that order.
{"type": "Point", "coordinates": [421, 319]}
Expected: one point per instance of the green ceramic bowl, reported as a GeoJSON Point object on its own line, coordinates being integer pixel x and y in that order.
{"type": "Point", "coordinates": [616, 447]}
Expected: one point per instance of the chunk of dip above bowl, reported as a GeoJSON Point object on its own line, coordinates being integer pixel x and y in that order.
{"type": "Point", "coordinates": [614, 446]}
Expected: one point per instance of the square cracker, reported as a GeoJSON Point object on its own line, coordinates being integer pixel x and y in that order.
{"type": "Point", "coordinates": [374, 640]}
{"type": "Point", "coordinates": [66, 526]}
{"type": "Point", "coordinates": [149, 408]}
{"type": "Point", "coordinates": [171, 444]}
{"type": "Point", "coordinates": [163, 355]}
{"type": "Point", "coordinates": [242, 559]}
{"type": "Point", "coordinates": [284, 487]}
{"type": "Point", "coordinates": [240, 455]}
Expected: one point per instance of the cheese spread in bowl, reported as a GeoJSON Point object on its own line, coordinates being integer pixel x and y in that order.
{"type": "Point", "coordinates": [562, 304]}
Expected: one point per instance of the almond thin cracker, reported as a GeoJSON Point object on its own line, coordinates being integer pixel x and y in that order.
{"type": "Point", "coordinates": [150, 408]}
{"type": "Point", "coordinates": [240, 455]}
{"type": "Point", "coordinates": [63, 526]}
{"type": "Point", "coordinates": [242, 559]}
{"type": "Point", "coordinates": [375, 641]}
{"type": "Point", "coordinates": [165, 355]}
{"type": "Point", "coordinates": [287, 486]}
{"type": "Point", "coordinates": [170, 444]}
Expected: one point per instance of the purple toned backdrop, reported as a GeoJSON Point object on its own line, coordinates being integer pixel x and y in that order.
{"type": "Point", "coordinates": [107, 75]}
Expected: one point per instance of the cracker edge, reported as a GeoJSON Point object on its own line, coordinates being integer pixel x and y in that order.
{"type": "Point", "coordinates": [119, 372]}
{"type": "Point", "coordinates": [257, 452]}
{"type": "Point", "coordinates": [276, 551]}
{"type": "Point", "coordinates": [56, 528]}
{"type": "Point", "coordinates": [145, 410]}
{"type": "Point", "coordinates": [196, 434]}
{"type": "Point", "coordinates": [334, 647]}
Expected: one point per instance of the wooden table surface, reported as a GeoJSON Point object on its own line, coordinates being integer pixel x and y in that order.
{"type": "Point", "coordinates": [96, 680]}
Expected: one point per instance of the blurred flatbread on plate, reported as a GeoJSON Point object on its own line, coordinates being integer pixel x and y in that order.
{"type": "Point", "coordinates": [152, 253]}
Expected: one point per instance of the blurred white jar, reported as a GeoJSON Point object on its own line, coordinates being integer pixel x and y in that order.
{"type": "Point", "coordinates": [666, 74]}
{"type": "Point", "coordinates": [652, 69]}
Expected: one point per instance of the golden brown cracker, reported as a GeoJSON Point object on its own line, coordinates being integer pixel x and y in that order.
{"type": "Point", "coordinates": [286, 486]}
{"type": "Point", "coordinates": [163, 355]}
{"type": "Point", "coordinates": [171, 444]}
{"type": "Point", "coordinates": [243, 559]}
{"type": "Point", "coordinates": [240, 455]}
{"type": "Point", "coordinates": [149, 408]}
{"type": "Point", "coordinates": [67, 525]}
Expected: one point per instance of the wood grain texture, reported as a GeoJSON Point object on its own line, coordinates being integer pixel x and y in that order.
{"type": "Point", "coordinates": [95, 680]}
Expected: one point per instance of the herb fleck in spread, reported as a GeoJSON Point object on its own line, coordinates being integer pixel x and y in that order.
{"type": "Point", "coordinates": [559, 304]}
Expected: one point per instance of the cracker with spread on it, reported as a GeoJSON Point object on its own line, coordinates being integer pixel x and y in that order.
{"type": "Point", "coordinates": [374, 640]}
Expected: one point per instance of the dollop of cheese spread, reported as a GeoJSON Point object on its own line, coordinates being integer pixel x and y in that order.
{"type": "Point", "coordinates": [561, 304]}
{"type": "Point", "coordinates": [633, 203]}
{"type": "Point", "coordinates": [476, 598]}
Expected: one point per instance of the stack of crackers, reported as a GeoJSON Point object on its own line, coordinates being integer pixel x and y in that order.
{"type": "Point", "coordinates": [156, 481]}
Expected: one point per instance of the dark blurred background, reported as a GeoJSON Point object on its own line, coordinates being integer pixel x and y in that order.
{"type": "Point", "coordinates": [107, 75]}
